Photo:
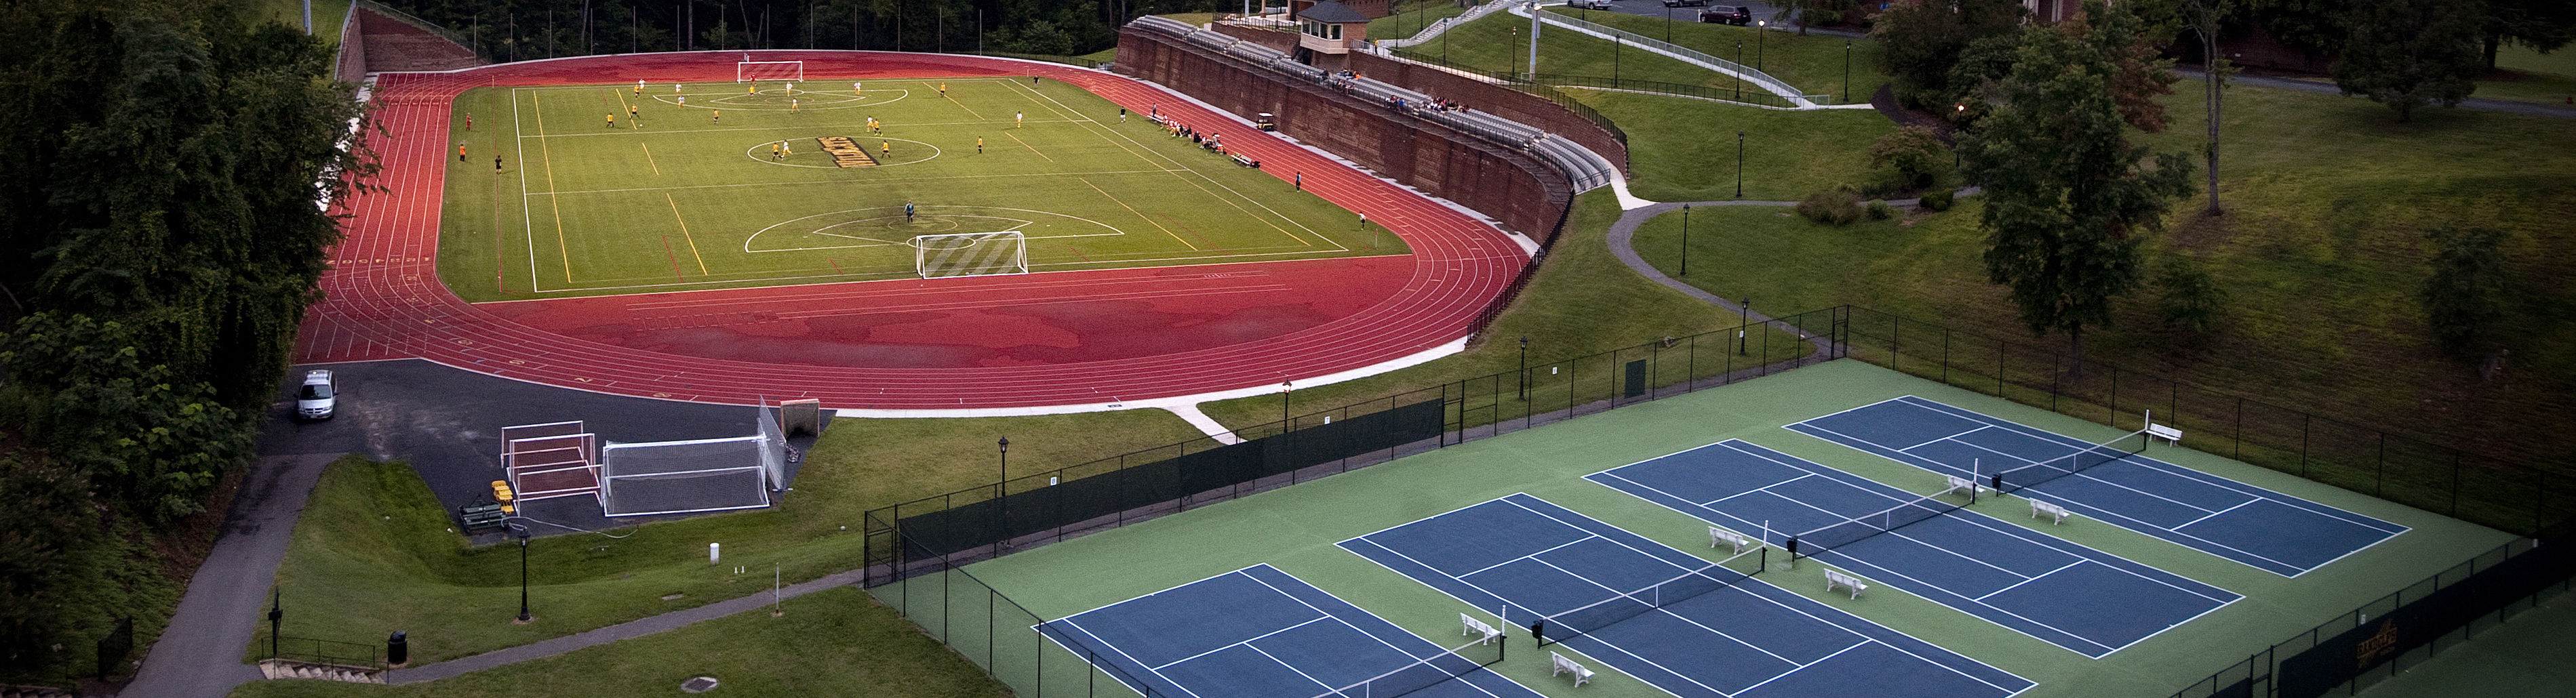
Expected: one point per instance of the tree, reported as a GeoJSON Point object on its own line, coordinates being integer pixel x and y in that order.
{"type": "Point", "coordinates": [1913, 160]}
{"type": "Point", "coordinates": [2464, 297]}
{"type": "Point", "coordinates": [2189, 300]}
{"type": "Point", "coordinates": [2542, 25]}
{"type": "Point", "coordinates": [2208, 18]}
{"type": "Point", "coordinates": [2408, 53]}
{"type": "Point", "coordinates": [1921, 41]}
{"type": "Point", "coordinates": [2067, 195]}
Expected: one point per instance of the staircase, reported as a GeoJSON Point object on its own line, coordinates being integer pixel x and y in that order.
{"type": "Point", "coordinates": [291, 669]}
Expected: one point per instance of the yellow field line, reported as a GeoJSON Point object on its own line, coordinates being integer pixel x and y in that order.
{"type": "Point", "coordinates": [648, 158]}
{"type": "Point", "coordinates": [1025, 144]}
{"type": "Point", "coordinates": [960, 105]}
{"type": "Point", "coordinates": [546, 152]}
{"type": "Point", "coordinates": [1139, 214]}
{"type": "Point", "coordinates": [684, 233]}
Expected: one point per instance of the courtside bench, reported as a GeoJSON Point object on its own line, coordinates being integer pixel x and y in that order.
{"type": "Point", "coordinates": [2040, 508]}
{"type": "Point", "coordinates": [1834, 578]}
{"type": "Point", "coordinates": [1558, 665]}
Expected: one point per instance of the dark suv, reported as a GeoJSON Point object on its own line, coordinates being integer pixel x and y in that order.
{"type": "Point", "coordinates": [1738, 15]}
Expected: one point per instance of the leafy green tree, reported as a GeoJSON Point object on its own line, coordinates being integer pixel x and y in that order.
{"type": "Point", "coordinates": [2542, 25]}
{"type": "Point", "coordinates": [2208, 19]}
{"type": "Point", "coordinates": [2464, 297]}
{"type": "Point", "coordinates": [2409, 53]}
{"type": "Point", "coordinates": [1911, 159]}
{"type": "Point", "coordinates": [2313, 27]}
{"type": "Point", "coordinates": [149, 442]}
{"type": "Point", "coordinates": [2188, 299]}
{"type": "Point", "coordinates": [1921, 41]}
{"type": "Point", "coordinates": [48, 520]}
{"type": "Point", "coordinates": [2067, 194]}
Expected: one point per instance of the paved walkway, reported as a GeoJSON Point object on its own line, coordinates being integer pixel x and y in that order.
{"type": "Point", "coordinates": [630, 629]}
{"type": "Point", "coordinates": [199, 654]}
{"type": "Point", "coordinates": [2477, 103]}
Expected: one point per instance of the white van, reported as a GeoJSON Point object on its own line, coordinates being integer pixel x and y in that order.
{"type": "Point", "coordinates": [319, 395]}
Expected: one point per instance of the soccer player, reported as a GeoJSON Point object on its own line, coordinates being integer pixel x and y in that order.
{"type": "Point", "coordinates": [791, 88]}
{"type": "Point", "coordinates": [943, 89]}
{"type": "Point", "coordinates": [460, 151]}
{"type": "Point", "coordinates": [791, 105]}
{"type": "Point", "coordinates": [612, 119]}
{"type": "Point", "coordinates": [751, 89]}
{"type": "Point", "coordinates": [979, 146]}
{"type": "Point", "coordinates": [715, 116]}
{"type": "Point", "coordinates": [1016, 117]}
{"type": "Point", "coordinates": [675, 88]}
{"type": "Point", "coordinates": [907, 212]}
{"type": "Point", "coordinates": [855, 90]}
{"type": "Point", "coordinates": [684, 101]}
{"type": "Point", "coordinates": [469, 122]}
{"type": "Point", "coordinates": [885, 149]}
{"type": "Point", "coordinates": [496, 164]}
{"type": "Point", "coordinates": [639, 88]}
{"type": "Point", "coordinates": [630, 116]}
{"type": "Point", "coordinates": [776, 150]}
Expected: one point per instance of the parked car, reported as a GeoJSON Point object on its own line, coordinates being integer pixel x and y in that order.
{"type": "Point", "coordinates": [1737, 15]}
{"type": "Point", "coordinates": [1588, 4]}
{"type": "Point", "coordinates": [1685, 3]}
{"type": "Point", "coordinates": [319, 396]}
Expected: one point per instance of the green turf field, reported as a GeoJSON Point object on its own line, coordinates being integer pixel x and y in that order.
{"type": "Point", "coordinates": [717, 185]}
{"type": "Point", "coordinates": [1296, 528]}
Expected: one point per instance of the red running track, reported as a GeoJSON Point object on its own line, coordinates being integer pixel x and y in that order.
{"type": "Point", "coordinates": [1056, 338]}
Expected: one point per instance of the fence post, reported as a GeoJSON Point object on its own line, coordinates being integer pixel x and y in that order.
{"type": "Point", "coordinates": [1945, 354]}
{"type": "Point", "coordinates": [2380, 470]}
{"type": "Point", "coordinates": [2240, 428]}
{"type": "Point", "coordinates": [2305, 419]}
{"type": "Point", "coordinates": [2115, 397]}
{"type": "Point", "coordinates": [2054, 373]}
{"type": "Point", "coordinates": [2455, 482]}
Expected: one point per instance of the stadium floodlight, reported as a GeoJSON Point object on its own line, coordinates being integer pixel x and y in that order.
{"type": "Point", "coordinates": [970, 254]}
{"type": "Point", "coordinates": [756, 71]}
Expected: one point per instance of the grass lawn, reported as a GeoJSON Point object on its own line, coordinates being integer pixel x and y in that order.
{"type": "Point", "coordinates": [830, 643]}
{"type": "Point", "coordinates": [327, 15]}
{"type": "Point", "coordinates": [1688, 152]}
{"type": "Point", "coordinates": [373, 554]}
{"type": "Point", "coordinates": [1582, 302]}
{"type": "Point", "coordinates": [1409, 18]}
{"type": "Point", "coordinates": [1813, 64]}
{"type": "Point", "coordinates": [2524, 75]}
{"type": "Point", "coordinates": [2321, 254]}
{"type": "Point", "coordinates": [696, 194]}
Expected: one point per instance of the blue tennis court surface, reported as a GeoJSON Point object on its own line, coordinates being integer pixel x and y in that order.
{"type": "Point", "coordinates": [2280, 533]}
{"type": "Point", "coordinates": [1258, 632]}
{"type": "Point", "coordinates": [2072, 596]}
{"type": "Point", "coordinates": [1523, 558]}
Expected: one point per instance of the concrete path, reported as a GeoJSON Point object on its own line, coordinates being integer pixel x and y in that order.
{"type": "Point", "coordinates": [630, 629]}
{"type": "Point", "coordinates": [2477, 103]}
{"type": "Point", "coordinates": [199, 654]}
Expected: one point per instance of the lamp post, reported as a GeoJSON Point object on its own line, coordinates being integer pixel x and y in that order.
{"type": "Point", "coordinates": [1516, 49]}
{"type": "Point", "coordinates": [1846, 71]}
{"type": "Point", "coordinates": [1685, 240]}
{"type": "Point", "coordinates": [1615, 44]}
{"type": "Point", "coordinates": [1524, 367]}
{"type": "Point", "coordinates": [1739, 164]}
{"type": "Point", "coordinates": [1759, 26]}
{"type": "Point", "coordinates": [1284, 387]}
{"type": "Point", "coordinates": [1739, 65]}
{"type": "Point", "coordinates": [523, 572]}
{"type": "Point", "coordinates": [1001, 496]}
{"type": "Point", "coordinates": [1744, 320]}
{"type": "Point", "coordinates": [276, 612]}
{"type": "Point", "coordinates": [1668, 24]}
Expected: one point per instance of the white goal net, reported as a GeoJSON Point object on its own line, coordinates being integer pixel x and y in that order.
{"type": "Point", "coordinates": [970, 254]}
{"type": "Point", "coordinates": [681, 477]}
{"type": "Point", "coordinates": [756, 71]}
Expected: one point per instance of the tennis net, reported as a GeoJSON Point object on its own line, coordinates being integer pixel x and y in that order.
{"type": "Point", "coordinates": [1583, 620]}
{"type": "Point", "coordinates": [1449, 665]}
{"type": "Point", "coordinates": [2032, 475]}
{"type": "Point", "coordinates": [1860, 528]}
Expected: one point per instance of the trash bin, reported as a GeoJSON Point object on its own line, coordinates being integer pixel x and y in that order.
{"type": "Point", "coordinates": [397, 650]}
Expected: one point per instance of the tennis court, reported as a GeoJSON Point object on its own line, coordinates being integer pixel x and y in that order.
{"type": "Point", "coordinates": [1258, 632]}
{"type": "Point", "coordinates": [1688, 626]}
{"type": "Point", "coordinates": [2268, 530]}
{"type": "Point", "coordinates": [2069, 595]}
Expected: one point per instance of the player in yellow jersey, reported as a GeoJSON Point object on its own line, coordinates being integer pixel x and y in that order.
{"type": "Point", "coordinates": [612, 119]}
{"type": "Point", "coordinates": [639, 88]}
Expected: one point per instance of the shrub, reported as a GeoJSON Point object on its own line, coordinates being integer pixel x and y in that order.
{"type": "Point", "coordinates": [1910, 159]}
{"type": "Point", "coordinates": [2188, 299]}
{"type": "Point", "coordinates": [1938, 200]}
{"type": "Point", "coordinates": [1879, 210]}
{"type": "Point", "coordinates": [1839, 206]}
{"type": "Point", "coordinates": [2464, 297]}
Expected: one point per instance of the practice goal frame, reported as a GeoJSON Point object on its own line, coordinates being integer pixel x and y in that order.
{"type": "Point", "coordinates": [754, 71]}
{"type": "Point", "coordinates": [970, 254]}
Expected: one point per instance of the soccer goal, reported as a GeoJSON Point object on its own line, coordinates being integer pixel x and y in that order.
{"type": "Point", "coordinates": [756, 71]}
{"type": "Point", "coordinates": [686, 477]}
{"type": "Point", "coordinates": [970, 254]}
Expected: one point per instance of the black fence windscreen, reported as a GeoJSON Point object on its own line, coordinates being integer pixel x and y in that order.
{"type": "Point", "coordinates": [969, 526]}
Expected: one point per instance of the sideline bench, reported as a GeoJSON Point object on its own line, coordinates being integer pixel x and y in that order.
{"type": "Point", "coordinates": [2038, 508]}
{"type": "Point", "coordinates": [1239, 159]}
{"type": "Point", "coordinates": [1717, 536]}
{"type": "Point", "coordinates": [1560, 666]}
{"type": "Point", "coordinates": [1838, 579]}
{"type": "Point", "coordinates": [2172, 436]}
{"type": "Point", "coordinates": [1478, 627]}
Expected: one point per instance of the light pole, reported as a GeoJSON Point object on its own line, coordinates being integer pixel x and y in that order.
{"type": "Point", "coordinates": [1284, 387]}
{"type": "Point", "coordinates": [1739, 65]}
{"type": "Point", "coordinates": [1744, 320]}
{"type": "Point", "coordinates": [1846, 71]}
{"type": "Point", "coordinates": [1615, 44]}
{"type": "Point", "coordinates": [1685, 240]}
{"type": "Point", "coordinates": [276, 612]}
{"type": "Point", "coordinates": [1739, 164]}
{"type": "Point", "coordinates": [1516, 49]}
{"type": "Point", "coordinates": [1759, 26]}
{"type": "Point", "coordinates": [1524, 367]}
{"type": "Point", "coordinates": [1001, 497]}
{"type": "Point", "coordinates": [523, 572]}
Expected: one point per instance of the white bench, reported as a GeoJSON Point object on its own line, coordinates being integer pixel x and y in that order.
{"type": "Point", "coordinates": [2039, 507]}
{"type": "Point", "coordinates": [2172, 436]}
{"type": "Point", "coordinates": [1960, 483]}
{"type": "Point", "coordinates": [1838, 579]}
{"type": "Point", "coordinates": [1478, 627]}
{"type": "Point", "coordinates": [1717, 536]}
{"type": "Point", "coordinates": [1561, 666]}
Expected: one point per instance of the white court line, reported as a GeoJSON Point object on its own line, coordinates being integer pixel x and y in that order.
{"type": "Point", "coordinates": [1248, 640]}
{"type": "Point", "coordinates": [2215, 513]}
{"type": "Point", "coordinates": [2027, 580]}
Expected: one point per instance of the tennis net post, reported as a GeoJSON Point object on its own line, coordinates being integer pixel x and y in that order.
{"type": "Point", "coordinates": [1584, 620]}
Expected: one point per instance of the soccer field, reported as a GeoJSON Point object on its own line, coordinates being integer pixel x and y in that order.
{"type": "Point", "coordinates": [727, 185]}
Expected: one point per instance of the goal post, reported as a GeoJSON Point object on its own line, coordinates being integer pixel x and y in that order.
{"type": "Point", "coordinates": [970, 254]}
{"type": "Point", "coordinates": [756, 71]}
